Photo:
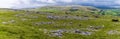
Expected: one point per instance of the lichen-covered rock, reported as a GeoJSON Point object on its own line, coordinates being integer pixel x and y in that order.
{"type": "Point", "coordinates": [111, 32]}
{"type": "Point", "coordinates": [41, 23]}
{"type": "Point", "coordinates": [82, 32]}
{"type": "Point", "coordinates": [11, 21]}
{"type": "Point", "coordinates": [4, 22]}
{"type": "Point", "coordinates": [95, 28]}
{"type": "Point", "coordinates": [58, 33]}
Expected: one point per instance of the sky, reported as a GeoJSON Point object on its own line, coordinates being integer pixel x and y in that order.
{"type": "Point", "coordinates": [41, 3]}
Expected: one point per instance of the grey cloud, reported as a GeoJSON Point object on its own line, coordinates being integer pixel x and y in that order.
{"type": "Point", "coordinates": [37, 3]}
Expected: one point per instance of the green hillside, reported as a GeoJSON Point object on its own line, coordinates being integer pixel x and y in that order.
{"type": "Point", "coordinates": [58, 22]}
{"type": "Point", "coordinates": [113, 12]}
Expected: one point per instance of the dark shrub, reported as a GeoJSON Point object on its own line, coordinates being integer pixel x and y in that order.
{"type": "Point", "coordinates": [115, 20]}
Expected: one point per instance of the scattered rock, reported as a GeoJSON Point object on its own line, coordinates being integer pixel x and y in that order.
{"type": "Point", "coordinates": [96, 16]}
{"type": "Point", "coordinates": [4, 22]}
{"type": "Point", "coordinates": [41, 23]}
{"type": "Point", "coordinates": [67, 17]}
{"type": "Point", "coordinates": [82, 32]}
{"type": "Point", "coordinates": [45, 30]}
{"type": "Point", "coordinates": [19, 15]}
{"type": "Point", "coordinates": [111, 32]}
{"type": "Point", "coordinates": [34, 17]}
{"type": "Point", "coordinates": [51, 17]}
{"type": "Point", "coordinates": [57, 33]}
{"type": "Point", "coordinates": [23, 19]}
{"type": "Point", "coordinates": [71, 22]}
{"type": "Point", "coordinates": [95, 28]}
{"type": "Point", "coordinates": [11, 21]}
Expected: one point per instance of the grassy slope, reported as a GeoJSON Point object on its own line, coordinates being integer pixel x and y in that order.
{"type": "Point", "coordinates": [25, 29]}
{"type": "Point", "coordinates": [114, 12]}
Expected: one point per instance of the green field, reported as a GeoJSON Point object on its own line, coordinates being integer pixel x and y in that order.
{"type": "Point", "coordinates": [59, 23]}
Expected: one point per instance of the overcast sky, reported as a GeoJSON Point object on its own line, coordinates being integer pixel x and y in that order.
{"type": "Point", "coordinates": [36, 3]}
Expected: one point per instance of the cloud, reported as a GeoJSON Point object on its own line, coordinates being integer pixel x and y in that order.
{"type": "Point", "coordinates": [7, 3]}
{"type": "Point", "coordinates": [38, 3]}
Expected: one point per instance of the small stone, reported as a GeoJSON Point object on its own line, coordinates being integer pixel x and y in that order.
{"type": "Point", "coordinates": [45, 30]}
{"type": "Point", "coordinates": [11, 21]}
{"type": "Point", "coordinates": [95, 28]}
{"type": "Point", "coordinates": [50, 17]}
{"type": "Point", "coordinates": [4, 22]}
{"type": "Point", "coordinates": [78, 31]}
{"type": "Point", "coordinates": [57, 34]}
{"type": "Point", "coordinates": [71, 22]}
{"type": "Point", "coordinates": [86, 33]}
{"type": "Point", "coordinates": [23, 19]}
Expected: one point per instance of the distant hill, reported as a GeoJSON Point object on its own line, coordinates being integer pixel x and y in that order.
{"type": "Point", "coordinates": [79, 9]}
